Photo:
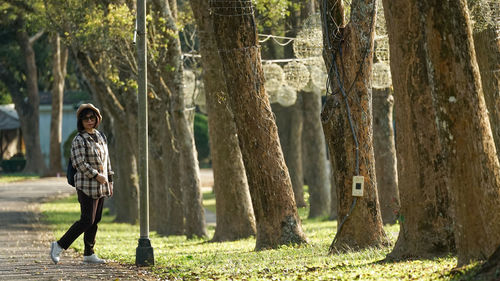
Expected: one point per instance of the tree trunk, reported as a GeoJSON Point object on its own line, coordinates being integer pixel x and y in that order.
{"type": "Point", "coordinates": [490, 270]}
{"type": "Point", "coordinates": [385, 155]}
{"type": "Point", "coordinates": [235, 218]}
{"type": "Point", "coordinates": [59, 61]}
{"type": "Point", "coordinates": [289, 121]}
{"type": "Point", "coordinates": [28, 108]}
{"type": "Point", "coordinates": [426, 227]}
{"type": "Point", "coordinates": [314, 155]}
{"type": "Point", "coordinates": [464, 127]}
{"type": "Point", "coordinates": [276, 214]}
{"type": "Point", "coordinates": [487, 47]}
{"type": "Point", "coordinates": [347, 123]}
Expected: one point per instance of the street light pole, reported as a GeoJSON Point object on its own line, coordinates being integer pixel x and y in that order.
{"type": "Point", "coordinates": [144, 253]}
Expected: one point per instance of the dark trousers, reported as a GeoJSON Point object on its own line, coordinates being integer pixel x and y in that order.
{"type": "Point", "coordinates": [91, 212]}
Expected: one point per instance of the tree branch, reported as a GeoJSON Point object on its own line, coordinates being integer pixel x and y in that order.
{"type": "Point", "coordinates": [36, 37]}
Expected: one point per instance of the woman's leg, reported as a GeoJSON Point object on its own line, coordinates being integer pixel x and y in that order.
{"type": "Point", "coordinates": [90, 233]}
{"type": "Point", "coordinates": [86, 221]}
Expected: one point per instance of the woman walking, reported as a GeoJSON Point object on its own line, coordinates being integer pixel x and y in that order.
{"type": "Point", "coordinates": [93, 182]}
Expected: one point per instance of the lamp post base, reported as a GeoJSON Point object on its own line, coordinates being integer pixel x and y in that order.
{"type": "Point", "coordinates": [144, 255]}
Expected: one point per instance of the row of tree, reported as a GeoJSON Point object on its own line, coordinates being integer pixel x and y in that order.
{"type": "Point", "coordinates": [447, 162]}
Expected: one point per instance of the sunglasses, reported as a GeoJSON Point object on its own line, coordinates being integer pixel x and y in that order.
{"type": "Point", "coordinates": [88, 118]}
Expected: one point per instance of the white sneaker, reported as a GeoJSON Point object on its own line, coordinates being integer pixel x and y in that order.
{"type": "Point", "coordinates": [55, 251]}
{"type": "Point", "coordinates": [93, 259]}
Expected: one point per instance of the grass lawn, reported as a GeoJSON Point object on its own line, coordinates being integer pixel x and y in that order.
{"type": "Point", "coordinates": [177, 258]}
{"type": "Point", "coordinates": [6, 178]}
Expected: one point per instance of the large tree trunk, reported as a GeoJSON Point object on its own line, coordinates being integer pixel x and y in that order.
{"type": "Point", "coordinates": [426, 225]}
{"type": "Point", "coordinates": [276, 214]}
{"type": "Point", "coordinates": [385, 154]}
{"type": "Point", "coordinates": [28, 108]}
{"type": "Point", "coordinates": [464, 127]}
{"type": "Point", "coordinates": [235, 218]}
{"type": "Point", "coordinates": [347, 123]}
{"type": "Point", "coordinates": [314, 155]}
{"type": "Point", "coordinates": [59, 62]}
{"type": "Point", "coordinates": [171, 93]}
{"type": "Point", "coordinates": [289, 121]}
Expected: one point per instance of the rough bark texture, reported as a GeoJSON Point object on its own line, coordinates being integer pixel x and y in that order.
{"type": "Point", "coordinates": [235, 218]}
{"type": "Point", "coordinates": [425, 218]}
{"type": "Point", "coordinates": [385, 155]}
{"type": "Point", "coordinates": [487, 47]}
{"type": "Point", "coordinates": [289, 121]}
{"type": "Point", "coordinates": [352, 67]}
{"type": "Point", "coordinates": [59, 61]}
{"type": "Point", "coordinates": [276, 214]}
{"type": "Point", "coordinates": [314, 155]}
{"type": "Point", "coordinates": [464, 127]}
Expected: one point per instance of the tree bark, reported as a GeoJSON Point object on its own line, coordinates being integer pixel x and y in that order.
{"type": "Point", "coordinates": [426, 227]}
{"type": "Point", "coordinates": [464, 127]}
{"type": "Point", "coordinates": [363, 228]}
{"type": "Point", "coordinates": [385, 155]}
{"type": "Point", "coordinates": [59, 61]}
{"type": "Point", "coordinates": [235, 218]}
{"type": "Point", "coordinates": [314, 155]}
{"type": "Point", "coordinates": [170, 90]}
{"type": "Point", "coordinates": [28, 108]}
{"type": "Point", "coordinates": [276, 214]}
{"type": "Point", "coordinates": [487, 47]}
{"type": "Point", "coordinates": [289, 121]}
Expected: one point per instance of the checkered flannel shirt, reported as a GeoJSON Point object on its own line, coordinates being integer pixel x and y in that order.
{"type": "Point", "coordinates": [89, 159]}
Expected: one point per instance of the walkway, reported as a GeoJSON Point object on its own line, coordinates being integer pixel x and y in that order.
{"type": "Point", "coordinates": [25, 242]}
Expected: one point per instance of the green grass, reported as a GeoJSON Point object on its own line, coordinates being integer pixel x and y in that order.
{"type": "Point", "coordinates": [177, 258]}
{"type": "Point", "coordinates": [12, 177]}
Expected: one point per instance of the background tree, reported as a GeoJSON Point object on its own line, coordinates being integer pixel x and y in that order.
{"type": "Point", "coordinates": [347, 120]}
{"type": "Point", "coordinates": [59, 62]}
{"type": "Point", "coordinates": [235, 218]}
{"type": "Point", "coordinates": [385, 154]}
{"type": "Point", "coordinates": [464, 127]}
{"type": "Point", "coordinates": [425, 216]}
{"type": "Point", "coordinates": [276, 214]}
{"type": "Point", "coordinates": [22, 22]}
{"type": "Point", "coordinates": [487, 48]}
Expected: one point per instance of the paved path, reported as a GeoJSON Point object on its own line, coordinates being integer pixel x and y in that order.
{"type": "Point", "coordinates": [25, 242]}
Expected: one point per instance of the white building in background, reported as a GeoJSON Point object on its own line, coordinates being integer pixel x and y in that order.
{"type": "Point", "coordinates": [68, 126]}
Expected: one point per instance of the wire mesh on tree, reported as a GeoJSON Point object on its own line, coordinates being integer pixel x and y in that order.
{"type": "Point", "coordinates": [286, 95]}
{"type": "Point", "coordinates": [274, 75]}
{"type": "Point", "coordinates": [234, 8]}
{"type": "Point", "coordinates": [296, 75]}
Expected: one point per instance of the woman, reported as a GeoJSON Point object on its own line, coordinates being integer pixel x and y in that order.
{"type": "Point", "coordinates": [93, 182]}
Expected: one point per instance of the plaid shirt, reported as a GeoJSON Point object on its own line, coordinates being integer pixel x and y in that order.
{"type": "Point", "coordinates": [89, 159]}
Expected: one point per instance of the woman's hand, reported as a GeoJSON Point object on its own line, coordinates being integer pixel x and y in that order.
{"type": "Point", "coordinates": [110, 184]}
{"type": "Point", "coordinates": [101, 179]}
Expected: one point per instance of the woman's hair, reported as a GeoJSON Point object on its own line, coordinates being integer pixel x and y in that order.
{"type": "Point", "coordinates": [79, 122]}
